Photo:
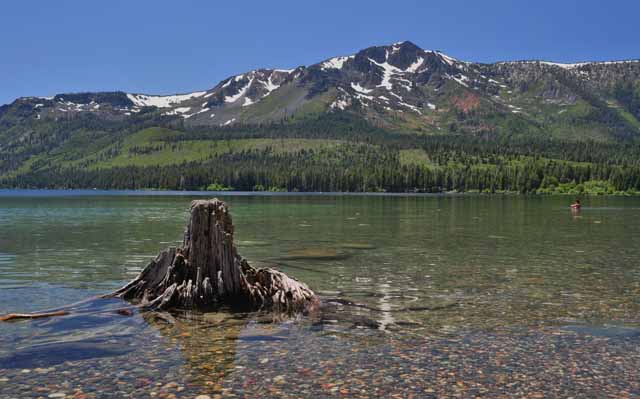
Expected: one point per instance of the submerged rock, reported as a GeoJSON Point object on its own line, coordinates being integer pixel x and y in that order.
{"type": "Point", "coordinates": [358, 245]}
{"type": "Point", "coordinates": [44, 356]}
{"type": "Point", "coordinates": [251, 243]}
{"type": "Point", "coordinates": [315, 253]}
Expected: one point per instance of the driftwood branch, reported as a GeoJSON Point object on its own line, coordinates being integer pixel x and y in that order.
{"type": "Point", "coordinates": [17, 316]}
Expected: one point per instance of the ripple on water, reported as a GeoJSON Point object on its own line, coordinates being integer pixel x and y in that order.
{"type": "Point", "coordinates": [7, 259]}
{"type": "Point", "coordinates": [453, 297]}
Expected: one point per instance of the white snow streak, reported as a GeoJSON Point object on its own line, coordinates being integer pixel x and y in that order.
{"type": "Point", "coordinates": [142, 100]}
{"type": "Point", "coordinates": [180, 110]}
{"type": "Point", "coordinates": [241, 92]}
{"type": "Point", "coordinates": [460, 80]}
{"type": "Point", "coordinates": [411, 107]}
{"type": "Point", "coordinates": [388, 72]}
{"type": "Point", "coordinates": [396, 96]}
{"type": "Point", "coordinates": [446, 58]}
{"type": "Point", "coordinates": [573, 65]}
{"type": "Point", "coordinates": [414, 67]}
{"type": "Point", "coordinates": [340, 104]}
{"type": "Point", "coordinates": [196, 113]}
{"type": "Point", "coordinates": [335, 63]}
{"type": "Point", "coordinates": [360, 89]}
{"type": "Point", "coordinates": [269, 85]}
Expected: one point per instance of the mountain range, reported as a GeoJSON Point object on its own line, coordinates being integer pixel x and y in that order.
{"type": "Point", "coordinates": [398, 89]}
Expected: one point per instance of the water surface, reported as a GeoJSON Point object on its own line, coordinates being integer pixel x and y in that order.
{"type": "Point", "coordinates": [453, 295]}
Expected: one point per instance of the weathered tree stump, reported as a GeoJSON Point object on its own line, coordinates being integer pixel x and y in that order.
{"type": "Point", "coordinates": [207, 272]}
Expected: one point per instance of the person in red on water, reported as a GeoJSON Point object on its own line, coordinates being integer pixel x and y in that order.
{"type": "Point", "coordinates": [576, 205]}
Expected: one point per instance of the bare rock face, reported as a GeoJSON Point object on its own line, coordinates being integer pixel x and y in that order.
{"type": "Point", "coordinates": [207, 272]}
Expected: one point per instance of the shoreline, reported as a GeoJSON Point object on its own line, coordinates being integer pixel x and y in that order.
{"type": "Point", "coordinates": [44, 192]}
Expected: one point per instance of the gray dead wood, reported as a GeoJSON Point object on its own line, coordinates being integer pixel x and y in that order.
{"type": "Point", "coordinates": [207, 271]}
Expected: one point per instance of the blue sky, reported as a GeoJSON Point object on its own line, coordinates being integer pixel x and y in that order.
{"type": "Point", "coordinates": [162, 47]}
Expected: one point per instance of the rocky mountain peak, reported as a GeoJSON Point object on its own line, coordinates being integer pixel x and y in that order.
{"type": "Point", "coordinates": [399, 85]}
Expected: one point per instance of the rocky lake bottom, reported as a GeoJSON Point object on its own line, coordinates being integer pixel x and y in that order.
{"type": "Point", "coordinates": [425, 297]}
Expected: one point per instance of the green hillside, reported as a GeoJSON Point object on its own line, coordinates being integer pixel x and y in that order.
{"type": "Point", "coordinates": [361, 160]}
{"type": "Point", "coordinates": [388, 118]}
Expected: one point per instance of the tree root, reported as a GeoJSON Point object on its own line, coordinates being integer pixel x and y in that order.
{"type": "Point", "coordinates": [205, 273]}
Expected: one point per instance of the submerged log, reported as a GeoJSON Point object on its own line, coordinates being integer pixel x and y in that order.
{"type": "Point", "coordinates": [207, 272]}
{"type": "Point", "coordinates": [17, 316]}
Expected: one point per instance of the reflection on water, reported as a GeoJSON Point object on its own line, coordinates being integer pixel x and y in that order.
{"type": "Point", "coordinates": [424, 296]}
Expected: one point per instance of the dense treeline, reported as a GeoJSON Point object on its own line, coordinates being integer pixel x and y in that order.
{"type": "Point", "coordinates": [71, 137]}
{"type": "Point", "coordinates": [343, 126]}
{"type": "Point", "coordinates": [629, 97]}
{"type": "Point", "coordinates": [369, 159]}
{"type": "Point", "coordinates": [355, 167]}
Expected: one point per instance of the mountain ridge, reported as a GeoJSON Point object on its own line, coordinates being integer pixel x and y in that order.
{"type": "Point", "coordinates": [518, 61]}
{"type": "Point", "coordinates": [400, 87]}
{"type": "Point", "coordinates": [397, 104]}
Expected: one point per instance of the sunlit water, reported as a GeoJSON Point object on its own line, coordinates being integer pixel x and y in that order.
{"type": "Point", "coordinates": [426, 296]}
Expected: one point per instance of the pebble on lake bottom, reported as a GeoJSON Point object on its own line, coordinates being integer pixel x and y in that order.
{"type": "Point", "coordinates": [303, 363]}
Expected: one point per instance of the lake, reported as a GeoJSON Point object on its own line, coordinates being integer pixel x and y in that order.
{"type": "Point", "coordinates": [426, 296]}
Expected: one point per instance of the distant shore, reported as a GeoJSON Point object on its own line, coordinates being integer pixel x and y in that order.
{"type": "Point", "coordinates": [24, 192]}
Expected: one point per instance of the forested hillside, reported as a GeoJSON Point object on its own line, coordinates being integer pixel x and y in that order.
{"type": "Point", "coordinates": [390, 118]}
{"type": "Point", "coordinates": [335, 160]}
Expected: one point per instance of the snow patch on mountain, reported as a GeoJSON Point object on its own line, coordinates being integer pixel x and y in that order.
{"type": "Point", "coordinates": [195, 113]}
{"type": "Point", "coordinates": [178, 111]}
{"type": "Point", "coordinates": [360, 89]}
{"type": "Point", "coordinates": [227, 123]}
{"type": "Point", "coordinates": [388, 71]}
{"type": "Point", "coordinates": [269, 86]}
{"type": "Point", "coordinates": [335, 63]}
{"type": "Point", "coordinates": [396, 96]}
{"type": "Point", "coordinates": [361, 96]}
{"type": "Point", "coordinates": [340, 104]}
{"type": "Point", "coordinates": [396, 47]}
{"type": "Point", "coordinates": [449, 60]}
{"type": "Point", "coordinates": [240, 93]}
{"type": "Point", "coordinates": [405, 83]}
{"type": "Point", "coordinates": [411, 107]}
{"type": "Point", "coordinates": [414, 67]}
{"type": "Point", "coordinates": [143, 100]}
{"type": "Point", "coordinates": [461, 79]}
{"type": "Point", "coordinates": [569, 66]}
